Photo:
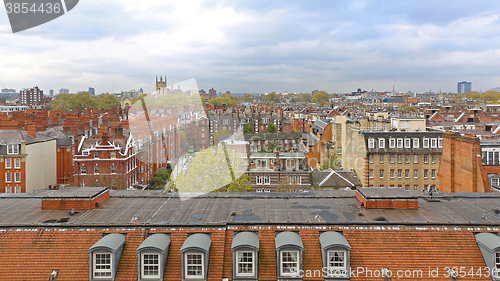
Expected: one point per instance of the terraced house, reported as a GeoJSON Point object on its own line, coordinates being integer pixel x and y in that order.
{"type": "Point", "coordinates": [368, 234]}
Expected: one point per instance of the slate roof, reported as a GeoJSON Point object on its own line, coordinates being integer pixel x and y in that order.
{"type": "Point", "coordinates": [437, 235]}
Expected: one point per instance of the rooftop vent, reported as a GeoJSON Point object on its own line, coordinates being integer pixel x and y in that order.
{"type": "Point", "coordinates": [386, 198]}
{"type": "Point", "coordinates": [75, 198]}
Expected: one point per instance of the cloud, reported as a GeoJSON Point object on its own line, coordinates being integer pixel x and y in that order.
{"type": "Point", "coordinates": [258, 46]}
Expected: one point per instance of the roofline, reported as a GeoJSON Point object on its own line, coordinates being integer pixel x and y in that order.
{"type": "Point", "coordinates": [149, 225]}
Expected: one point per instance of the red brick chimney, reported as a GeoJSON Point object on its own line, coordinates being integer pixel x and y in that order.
{"type": "Point", "coordinates": [386, 198]}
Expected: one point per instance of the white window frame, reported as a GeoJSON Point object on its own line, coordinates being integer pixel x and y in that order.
{"type": "Point", "coordinates": [371, 143]}
{"type": "Point", "coordinates": [407, 143]}
{"type": "Point", "coordinates": [97, 169]}
{"type": "Point", "coordinates": [83, 170]}
{"type": "Point", "coordinates": [400, 173]}
{"type": "Point", "coordinates": [337, 268]}
{"type": "Point", "coordinates": [433, 158]}
{"type": "Point", "coordinates": [392, 173]}
{"type": "Point", "coordinates": [407, 158]}
{"type": "Point", "coordinates": [94, 266]}
{"type": "Point", "coordinates": [407, 174]}
{"type": "Point", "coordinates": [400, 143]}
{"type": "Point", "coordinates": [416, 143]}
{"type": "Point", "coordinates": [370, 174]}
{"type": "Point", "coordinates": [433, 143]}
{"type": "Point", "coordinates": [8, 189]}
{"type": "Point", "coordinates": [393, 158]}
{"type": "Point", "coordinates": [426, 174]}
{"type": "Point", "coordinates": [370, 158]}
{"type": "Point", "coordinates": [13, 149]}
{"type": "Point", "coordinates": [495, 181]}
{"type": "Point", "coordinates": [17, 177]}
{"type": "Point", "coordinates": [426, 158]}
{"type": "Point", "coordinates": [415, 174]}
{"type": "Point", "coordinates": [186, 276]}
{"type": "Point", "coordinates": [392, 143]}
{"type": "Point", "coordinates": [8, 163]}
{"type": "Point", "coordinates": [8, 177]}
{"type": "Point", "coordinates": [17, 163]}
{"type": "Point", "coordinates": [400, 158]}
{"type": "Point", "coordinates": [282, 273]}
{"type": "Point", "coordinates": [143, 276]}
{"type": "Point", "coordinates": [433, 173]}
{"type": "Point", "coordinates": [415, 158]}
{"type": "Point", "coordinates": [238, 262]}
{"type": "Point", "coordinates": [294, 180]}
{"type": "Point", "coordinates": [425, 143]}
{"type": "Point", "coordinates": [17, 189]}
{"type": "Point", "coordinates": [440, 142]}
{"type": "Point", "coordinates": [381, 158]}
{"type": "Point", "coordinates": [381, 143]}
{"type": "Point", "coordinates": [381, 173]}
{"type": "Point", "coordinates": [97, 154]}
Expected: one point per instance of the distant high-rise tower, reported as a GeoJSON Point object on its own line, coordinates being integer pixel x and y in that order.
{"type": "Point", "coordinates": [464, 87]}
{"type": "Point", "coordinates": [212, 93]}
{"type": "Point", "coordinates": [31, 96]}
{"type": "Point", "coordinates": [161, 86]}
{"type": "Point", "coordinates": [63, 91]}
{"type": "Point", "coordinates": [51, 93]}
{"type": "Point", "coordinates": [92, 91]}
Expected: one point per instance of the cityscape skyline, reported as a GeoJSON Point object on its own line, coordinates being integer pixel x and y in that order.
{"type": "Point", "coordinates": [259, 47]}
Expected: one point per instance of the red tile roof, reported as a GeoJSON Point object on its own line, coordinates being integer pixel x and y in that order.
{"type": "Point", "coordinates": [31, 254]}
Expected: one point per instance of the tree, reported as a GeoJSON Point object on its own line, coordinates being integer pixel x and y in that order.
{"type": "Point", "coordinates": [306, 97]}
{"type": "Point", "coordinates": [248, 129]}
{"type": "Point", "coordinates": [247, 97]}
{"type": "Point", "coordinates": [160, 178]}
{"type": "Point", "coordinates": [222, 100]}
{"type": "Point", "coordinates": [271, 128]}
{"type": "Point", "coordinates": [322, 103]}
{"type": "Point", "coordinates": [320, 96]}
{"type": "Point", "coordinates": [242, 184]}
{"type": "Point", "coordinates": [330, 163]}
{"type": "Point", "coordinates": [212, 169]}
{"type": "Point", "coordinates": [272, 97]}
{"type": "Point", "coordinates": [107, 101]}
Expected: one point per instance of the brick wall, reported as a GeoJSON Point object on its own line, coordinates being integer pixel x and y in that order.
{"type": "Point", "coordinates": [73, 203]}
{"type": "Point", "coordinates": [387, 203]}
{"type": "Point", "coordinates": [461, 165]}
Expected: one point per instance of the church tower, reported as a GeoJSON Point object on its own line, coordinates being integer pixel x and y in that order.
{"type": "Point", "coordinates": [161, 85]}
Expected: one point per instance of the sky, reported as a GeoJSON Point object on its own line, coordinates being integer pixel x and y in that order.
{"type": "Point", "coordinates": [258, 46]}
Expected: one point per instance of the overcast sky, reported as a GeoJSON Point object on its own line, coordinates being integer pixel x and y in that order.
{"type": "Point", "coordinates": [257, 46]}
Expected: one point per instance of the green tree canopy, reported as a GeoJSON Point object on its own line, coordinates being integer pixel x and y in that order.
{"type": "Point", "coordinates": [222, 100]}
{"type": "Point", "coordinates": [248, 128]}
{"type": "Point", "coordinates": [271, 128]}
{"type": "Point", "coordinates": [160, 178]}
{"type": "Point", "coordinates": [320, 96]}
{"type": "Point", "coordinates": [247, 97]}
{"type": "Point", "coordinates": [273, 97]}
{"type": "Point", "coordinates": [305, 97]}
{"type": "Point", "coordinates": [83, 100]}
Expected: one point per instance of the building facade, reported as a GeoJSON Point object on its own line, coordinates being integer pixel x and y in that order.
{"type": "Point", "coordinates": [464, 87]}
{"type": "Point", "coordinates": [31, 96]}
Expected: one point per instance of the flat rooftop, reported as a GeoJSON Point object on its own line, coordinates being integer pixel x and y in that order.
{"type": "Point", "coordinates": [156, 208]}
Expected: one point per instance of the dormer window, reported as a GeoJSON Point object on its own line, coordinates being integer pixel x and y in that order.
{"type": "Point", "coordinates": [415, 143]}
{"type": "Point", "coordinates": [400, 143]}
{"type": "Point", "coordinates": [489, 245]}
{"type": "Point", "coordinates": [245, 248]}
{"type": "Point", "coordinates": [335, 253]}
{"type": "Point", "coordinates": [407, 143]}
{"type": "Point", "coordinates": [152, 256]}
{"type": "Point", "coordinates": [13, 149]}
{"type": "Point", "coordinates": [371, 143]}
{"type": "Point", "coordinates": [105, 255]}
{"type": "Point", "coordinates": [381, 143]}
{"type": "Point", "coordinates": [289, 249]}
{"type": "Point", "coordinates": [392, 143]}
{"type": "Point", "coordinates": [195, 254]}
